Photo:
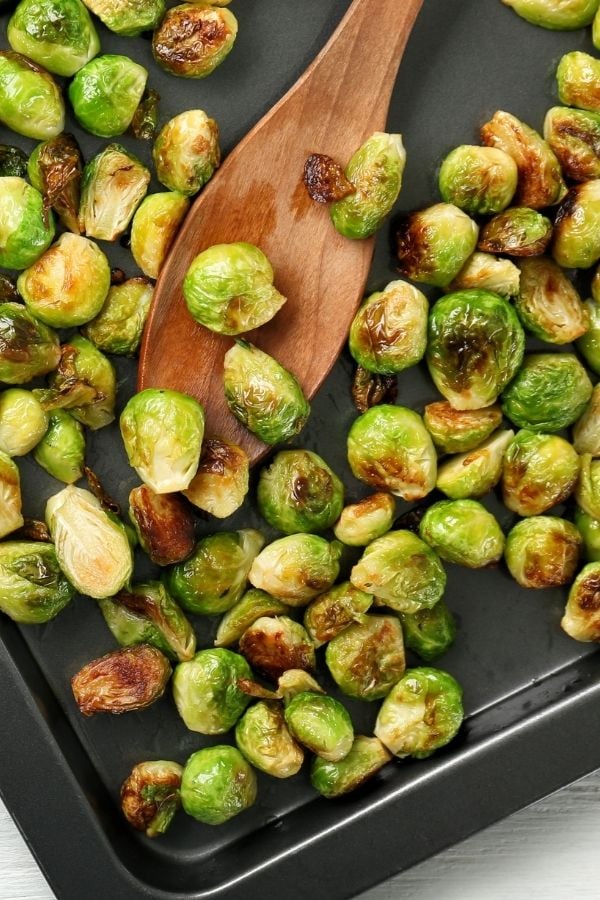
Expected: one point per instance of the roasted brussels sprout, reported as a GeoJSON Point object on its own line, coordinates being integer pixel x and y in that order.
{"type": "Point", "coordinates": [114, 184]}
{"type": "Point", "coordinates": [401, 570]}
{"type": "Point", "coordinates": [390, 449]}
{"type": "Point", "coordinates": [375, 171]}
{"type": "Point", "coordinates": [476, 346]}
{"type": "Point", "coordinates": [11, 516]}
{"type": "Point", "coordinates": [422, 712]}
{"type": "Point", "coordinates": [325, 180]}
{"type": "Point", "coordinates": [220, 484]}
{"type": "Point", "coordinates": [429, 632]}
{"type": "Point", "coordinates": [488, 273]}
{"type": "Point", "coordinates": [559, 15]}
{"type": "Point", "coordinates": [581, 619]}
{"type": "Point", "coordinates": [479, 180]}
{"type": "Point", "coordinates": [13, 161]}
{"type": "Point", "coordinates": [262, 395]}
{"type": "Point", "coordinates": [299, 492]}
{"type": "Point", "coordinates": [362, 522]}
{"type": "Point", "coordinates": [543, 551]}
{"type": "Point", "coordinates": [389, 332]}
{"type": "Point", "coordinates": [586, 431]}
{"type": "Point", "coordinates": [106, 92]}
{"type": "Point", "coordinates": [122, 681]}
{"type": "Point", "coordinates": [539, 471]}
{"type": "Point", "coordinates": [475, 473]}
{"type": "Point", "coordinates": [91, 545]}
{"type": "Point", "coordinates": [164, 525]}
{"type": "Point", "coordinates": [296, 568]}
{"type": "Point", "coordinates": [119, 325]}
{"type": "Point", "coordinates": [587, 490]}
{"type": "Point", "coordinates": [150, 796]}
{"type": "Point", "coordinates": [540, 177]}
{"type": "Point", "coordinates": [33, 589]}
{"type": "Point", "coordinates": [206, 690]}
{"type": "Point", "coordinates": [550, 392]}
{"type": "Point", "coordinates": [589, 529]}
{"type": "Point", "coordinates": [576, 227]}
{"type": "Point", "coordinates": [128, 17]}
{"type": "Point", "coordinates": [434, 244]}
{"type": "Point", "coordinates": [578, 79]}
{"type": "Point", "coordinates": [274, 644]}
{"type": "Point", "coordinates": [55, 168]}
{"type": "Point", "coordinates": [214, 577]}
{"type": "Point", "coordinates": [321, 724]}
{"type": "Point", "coordinates": [192, 40]}
{"type": "Point", "coordinates": [460, 430]}
{"type": "Point", "coordinates": [30, 100]}
{"type": "Point", "coordinates": [589, 343]}
{"type": "Point", "coordinates": [186, 152]}
{"type": "Point", "coordinates": [61, 451]}
{"type": "Point", "coordinates": [253, 605]}
{"type": "Point", "coordinates": [463, 532]}
{"type": "Point", "coordinates": [365, 758]}
{"type": "Point", "coordinates": [26, 233]}
{"type": "Point", "coordinates": [334, 611]}
{"type": "Point", "coordinates": [548, 304]}
{"type": "Point", "coordinates": [217, 784]}
{"type": "Point", "coordinates": [23, 422]}
{"type": "Point", "coordinates": [367, 658]}
{"type": "Point", "coordinates": [518, 231]}
{"type": "Point", "coordinates": [264, 739]}
{"type": "Point", "coordinates": [229, 288]}
{"type": "Point", "coordinates": [56, 34]}
{"type": "Point", "coordinates": [153, 229]}
{"type": "Point", "coordinates": [574, 136]}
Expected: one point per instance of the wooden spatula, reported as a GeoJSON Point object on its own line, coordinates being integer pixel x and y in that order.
{"type": "Point", "coordinates": [258, 196]}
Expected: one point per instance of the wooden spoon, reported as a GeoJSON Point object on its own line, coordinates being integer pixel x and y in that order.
{"type": "Point", "coordinates": [258, 196]}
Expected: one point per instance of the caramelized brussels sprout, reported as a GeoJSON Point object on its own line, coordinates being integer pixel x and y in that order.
{"type": "Point", "coordinates": [463, 532]}
{"type": "Point", "coordinates": [586, 431]}
{"type": "Point", "coordinates": [264, 739]}
{"type": "Point", "coordinates": [220, 484]}
{"type": "Point", "coordinates": [61, 451]}
{"type": "Point", "coordinates": [574, 136]}
{"type": "Point", "coordinates": [206, 690]}
{"type": "Point", "coordinates": [31, 102]}
{"type": "Point", "coordinates": [55, 168]}
{"type": "Point", "coordinates": [479, 180]}
{"type": "Point", "coordinates": [576, 227]}
{"type": "Point", "coordinates": [128, 17]}
{"type": "Point", "coordinates": [434, 244]}
{"type": "Point", "coordinates": [296, 568]}
{"type": "Point", "coordinates": [114, 184]}
{"type": "Point", "coordinates": [475, 473]}
{"type": "Point", "coordinates": [334, 611]}
{"type": "Point", "coordinates": [367, 658]}
{"type": "Point", "coordinates": [589, 529]}
{"type": "Point", "coordinates": [486, 272]}
{"type": "Point", "coordinates": [253, 605]}
{"type": "Point", "coordinates": [362, 522]}
{"type": "Point", "coordinates": [23, 422]}
{"type": "Point", "coordinates": [589, 343]}
{"type": "Point", "coordinates": [364, 759]}
{"type": "Point", "coordinates": [559, 15]}
{"type": "Point", "coordinates": [274, 644]}
{"type": "Point", "coordinates": [578, 79]}
{"type": "Point", "coordinates": [192, 40]}
{"type": "Point", "coordinates": [186, 152]}
{"type": "Point", "coordinates": [460, 430]}
{"type": "Point", "coordinates": [587, 490]}
{"type": "Point", "coordinates": [119, 325]}
{"type": "Point", "coordinates": [550, 392]}
{"type": "Point", "coordinates": [32, 587]}
{"type": "Point", "coordinates": [217, 784]}
{"type": "Point", "coordinates": [429, 632]}
{"type": "Point", "coordinates": [56, 34]}
{"type": "Point", "coordinates": [164, 525]}
{"type": "Point", "coordinates": [150, 796]}
{"type": "Point", "coordinates": [122, 681]}
{"type": "Point", "coordinates": [85, 383]}
{"type": "Point", "coordinates": [539, 471]}
{"type": "Point", "coordinates": [13, 161]}
{"type": "Point", "coordinates": [154, 226]}
{"type": "Point", "coordinates": [581, 619]}
{"type": "Point", "coordinates": [518, 231]}
{"type": "Point", "coordinates": [548, 304]}
{"type": "Point", "coordinates": [543, 551]}
{"type": "Point", "coordinates": [24, 231]}
{"type": "Point", "coordinates": [321, 724]}
{"type": "Point", "coordinates": [11, 516]}
{"type": "Point", "coordinates": [106, 92]}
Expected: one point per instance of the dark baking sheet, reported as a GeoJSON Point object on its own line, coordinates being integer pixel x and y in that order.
{"type": "Point", "coordinates": [531, 693]}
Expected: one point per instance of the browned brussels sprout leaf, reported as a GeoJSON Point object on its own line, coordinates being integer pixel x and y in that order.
{"type": "Point", "coordinates": [95, 486]}
{"type": "Point", "coordinates": [325, 180]}
{"type": "Point", "coordinates": [370, 389]}
{"type": "Point", "coordinates": [145, 119]}
{"type": "Point", "coordinates": [55, 169]}
{"type": "Point", "coordinates": [164, 525]}
{"type": "Point", "coordinates": [150, 796]}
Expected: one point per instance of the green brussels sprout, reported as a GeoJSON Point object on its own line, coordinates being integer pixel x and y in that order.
{"type": "Point", "coordinates": [578, 79]}
{"type": "Point", "coordinates": [262, 395]}
{"type": "Point", "coordinates": [153, 229]}
{"type": "Point", "coordinates": [214, 577]}
{"type": "Point", "coordinates": [486, 272]}
{"type": "Point", "coordinates": [253, 605]}
{"type": "Point", "coordinates": [321, 724]}
{"type": "Point", "coordinates": [540, 178]}
{"type": "Point", "coordinates": [362, 522]}
{"type": "Point", "coordinates": [548, 304]}
{"type": "Point", "coordinates": [543, 551]}
{"type": "Point", "coordinates": [220, 484]}
{"type": "Point", "coordinates": [162, 431]}
{"type": "Point", "coordinates": [229, 288]}
{"type": "Point", "coordinates": [23, 422]}
{"type": "Point", "coordinates": [475, 473]}
{"type": "Point", "coordinates": [31, 102]}
{"type": "Point", "coordinates": [164, 525]}
{"type": "Point", "coordinates": [367, 658]}
{"type": "Point", "coordinates": [589, 343]}
{"type": "Point", "coordinates": [401, 570]}
{"type": "Point", "coordinates": [589, 529]}
{"type": "Point", "coordinates": [390, 449]}
{"type": "Point", "coordinates": [146, 614]}
{"type": "Point", "coordinates": [217, 784]}
{"type": "Point", "coordinates": [460, 430]}
{"type": "Point", "coordinates": [68, 284]}
{"type": "Point", "coordinates": [24, 232]}
{"type": "Point", "coordinates": [299, 492]}
{"type": "Point", "coordinates": [106, 92]}
{"type": "Point", "coordinates": [33, 589]}
{"type": "Point", "coordinates": [296, 568]}
{"type": "Point", "coordinates": [55, 168]}
{"type": "Point", "coordinates": [586, 431]}
{"type": "Point", "coordinates": [264, 739]}
{"type": "Point", "coordinates": [61, 452]}
{"type": "Point", "coordinates": [11, 516]}
{"type": "Point", "coordinates": [56, 34]}
{"type": "Point", "coordinates": [463, 532]}
{"type": "Point", "coordinates": [574, 136]}
{"type": "Point", "coordinates": [334, 611]}
{"type": "Point", "coordinates": [13, 162]}
{"type": "Point", "coordinates": [479, 180]}
{"type": "Point", "coordinates": [539, 471]}
{"type": "Point", "coordinates": [206, 690]}
{"type": "Point", "coordinates": [119, 325]}
{"type": "Point", "coordinates": [429, 632]}
{"type": "Point", "coordinates": [434, 244]}
{"type": "Point", "coordinates": [150, 796]}
{"type": "Point", "coordinates": [114, 184]}
{"type": "Point", "coordinates": [192, 40]}
{"type": "Point", "coordinates": [124, 680]}
{"type": "Point", "coordinates": [587, 490]}
{"type": "Point", "coordinates": [576, 227]}
{"type": "Point", "coordinates": [581, 619]}
{"type": "Point", "coordinates": [186, 152]}
{"type": "Point", "coordinates": [476, 345]}
{"type": "Point", "coordinates": [550, 392]}
{"type": "Point", "coordinates": [375, 171]}
{"type": "Point", "coordinates": [559, 15]}
{"type": "Point", "coordinates": [389, 332]}
{"type": "Point", "coordinates": [91, 545]}
{"type": "Point", "coordinates": [518, 231]}
{"type": "Point", "coordinates": [365, 758]}
{"type": "Point", "coordinates": [128, 17]}
{"type": "Point", "coordinates": [274, 644]}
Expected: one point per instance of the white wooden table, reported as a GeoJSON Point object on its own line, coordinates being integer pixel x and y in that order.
{"type": "Point", "coordinates": [546, 852]}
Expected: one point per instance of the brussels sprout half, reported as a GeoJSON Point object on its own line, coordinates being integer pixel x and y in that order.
{"type": "Point", "coordinates": [574, 136]}
{"type": "Point", "coordinates": [463, 532]}
{"type": "Point", "coordinates": [33, 589]}
{"type": "Point", "coordinates": [488, 273]}
{"type": "Point", "coordinates": [479, 180]}
{"type": "Point", "coordinates": [61, 451]}
{"type": "Point", "coordinates": [362, 522]}
{"type": "Point", "coordinates": [23, 422]}
{"type": "Point", "coordinates": [578, 79]}
{"type": "Point", "coordinates": [518, 231]}
{"type": "Point", "coordinates": [577, 227]}
{"type": "Point", "coordinates": [367, 658]}
{"type": "Point", "coordinates": [548, 304]}
{"type": "Point", "coordinates": [364, 759]}
{"type": "Point", "coordinates": [192, 40]}
{"type": "Point", "coordinates": [119, 325]}
{"type": "Point", "coordinates": [221, 482]}
{"type": "Point", "coordinates": [274, 644]}
{"type": "Point", "coordinates": [25, 232]}
{"type": "Point", "coordinates": [56, 34]}
{"type": "Point", "coordinates": [11, 516]}
{"type": "Point", "coordinates": [114, 183]}
{"type": "Point", "coordinates": [217, 784]}
{"type": "Point", "coordinates": [475, 473]}
{"type": "Point", "coordinates": [186, 152]}
{"type": "Point", "coordinates": [460, 430]}
{"type": "Point", "coordinates": [539, 471]}
{"type": "Point", "coordinates": [581, 619]}
{"type": "Point", "coordinates": [128, 17]}
{"type": "Point", "coordinates": [253, 605]}
{"type": "Point", "coordinates": [164, 525]}
{"type": "Point", "coordinates": [122, 681]}
{"type": "Point", "coordinates": [296, 568]}
{"type": "Point", "coordinates": [150, 796]}
{"type": "Point", "coordinates": [321, 724]}
{"type": "Point", "coordinates": [334, 611]}
{"type": "Point", "coordinates": [429, 632]}
{"type": "Point", "coordinates": [549, 392]}
{"type": "Point", "coordinates": [543, 551]}
{"type": "Point", "coordinates": [264, 739]}
{"type": "Point", "coordinates": [106, 92]}
{"type": "Point", "coordinates": [559, 15]}
{"type": "Point", "coordinates": [434, 244]}
{"type": "Point", "coordinates": [206, 691]}
{"type": "Point", "coordinates": [31, 102]}
{"type": "Point", "coordinates": [153, 229]}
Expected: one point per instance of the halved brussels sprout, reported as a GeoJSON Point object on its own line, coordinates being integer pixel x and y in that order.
{"type": "Point", "coordinates": [518, 231]}
{"type": "Point", "coordinates": [274, 644]}
{"type": "Point", "coordinates": [548, 304]}
{"type": "Point", "coordinates": [192, 40]}
{"type": "Point", "coordinates": [550, 392]}
{"type": "Point", "coordinates": [488, 273]}
{"type": "Point", "coordinates": [540, 178]}
{"type": "Point", "coordinates": [365, 758]}
{"type": "Point", "coordinates": [334, 611]}
{"type": "Point", "coordinates": [578, 79]}
{"type": "Point", "coordinates": [264, 739]}
{"type": "Point", "coordinates": [106, 92]}
{"type": "Point", "coordinates": [375, 171]}
{"type": "Point", "coordinates": [577, 227]}
{"type": "Point", "coordinates": [13, 161]}
{"type": "Point", "coordinates": [460, 430]}
{"type": "Point", "coordinates": [31, 102]}
{"type": "Point", "coordinates": [119, 325]}
{"type": "Point", "coordinates": [321, 724]}
{"type": "Point", "coordinates": [61, 451]}
{"type": "Point", "coordinates": [32, 587]}
{"type": "Point", "coordinates": [24, 230]}
{"type": "Point", "coordinates": [389, 332]}
{"type": "Point", "coordinates": [367, 658]}
{"type": "Point", "coordinates": [150, 796]}
{"type": "Point", "coordinates": [56, 34]}
{"type": "Point", "coordinates": [479, 180]}
{"type": "Point", "coordinates": [229, 288]}
{"type": "Point", "coordinates": [581, 619]}
{"type": "Point", "coordinates": [589, 529]}
{"type": "Point", "coordinates": [401, 570]}
{"type": "Point", "coordinates": [390, 449]}
{"type": "Point", "coordinates": [296, 568]}
{"type": "Point", "coordinates": [206, 690]}
{"type": "Point", "coordinates": [253, 605]}
{"type": "Point", "coordinates": [217, 784]}
{"type": "Point", "coordinates": [214, 578]}
{"type": "Point", "coordinates": [429, 632]}
{"type": "Point", "coordinates": [23, 422]}
{"type": "Point", "coordinates": [422, 712]}
{"type": "Point", "coordinates": [362, 522]}
{"type": "Point", "coordinates": [559, 15]}
{"type": "Point", "coordinates": [55, 168]}
{"type": "Point", "coordinates": [476, 345]}
{"type": "Point", "coordinates": [586, 431]}
{"type": "Point", "coordinates": [186, 152]}
{"type": "Point", "coordinates": [463, 532]}
{"type": "Point", "coordinates": [475, 473]}
{"type": "Point", "coordinates": [220, 484]}
{"type": "Point", "coordinates": [11, 516]}
{"type": "Point", "coordinates": [543, 551]}
{"type": "Point", "coordinates": [128, 17]}
{"type": "Point", "coordinates": [589, 343]}
{"type": "Point", "coordinates": [114, 184]}
{"type": "Point", "coordinates": [434, 244]}
{"type": "Point", "coordinates": [164, 525]}
{"type": "Point", "coordinates": [587, 490]}
{"type": "Point", "coordinates": [262, 395]}
{"type": "Point", "coordinates": [574, 136]}
{"type": "Point", "coordinates": [539, 471]}
{"type": "Point", "coordinates": [122, 681]}
{"type": "Point", "coordinates": [154, 226]}
{"type": "Point", "coordinates": [91, 545]}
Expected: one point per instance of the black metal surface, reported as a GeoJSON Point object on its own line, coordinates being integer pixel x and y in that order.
{"type": "Point", "coordinates": [531, 693]}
